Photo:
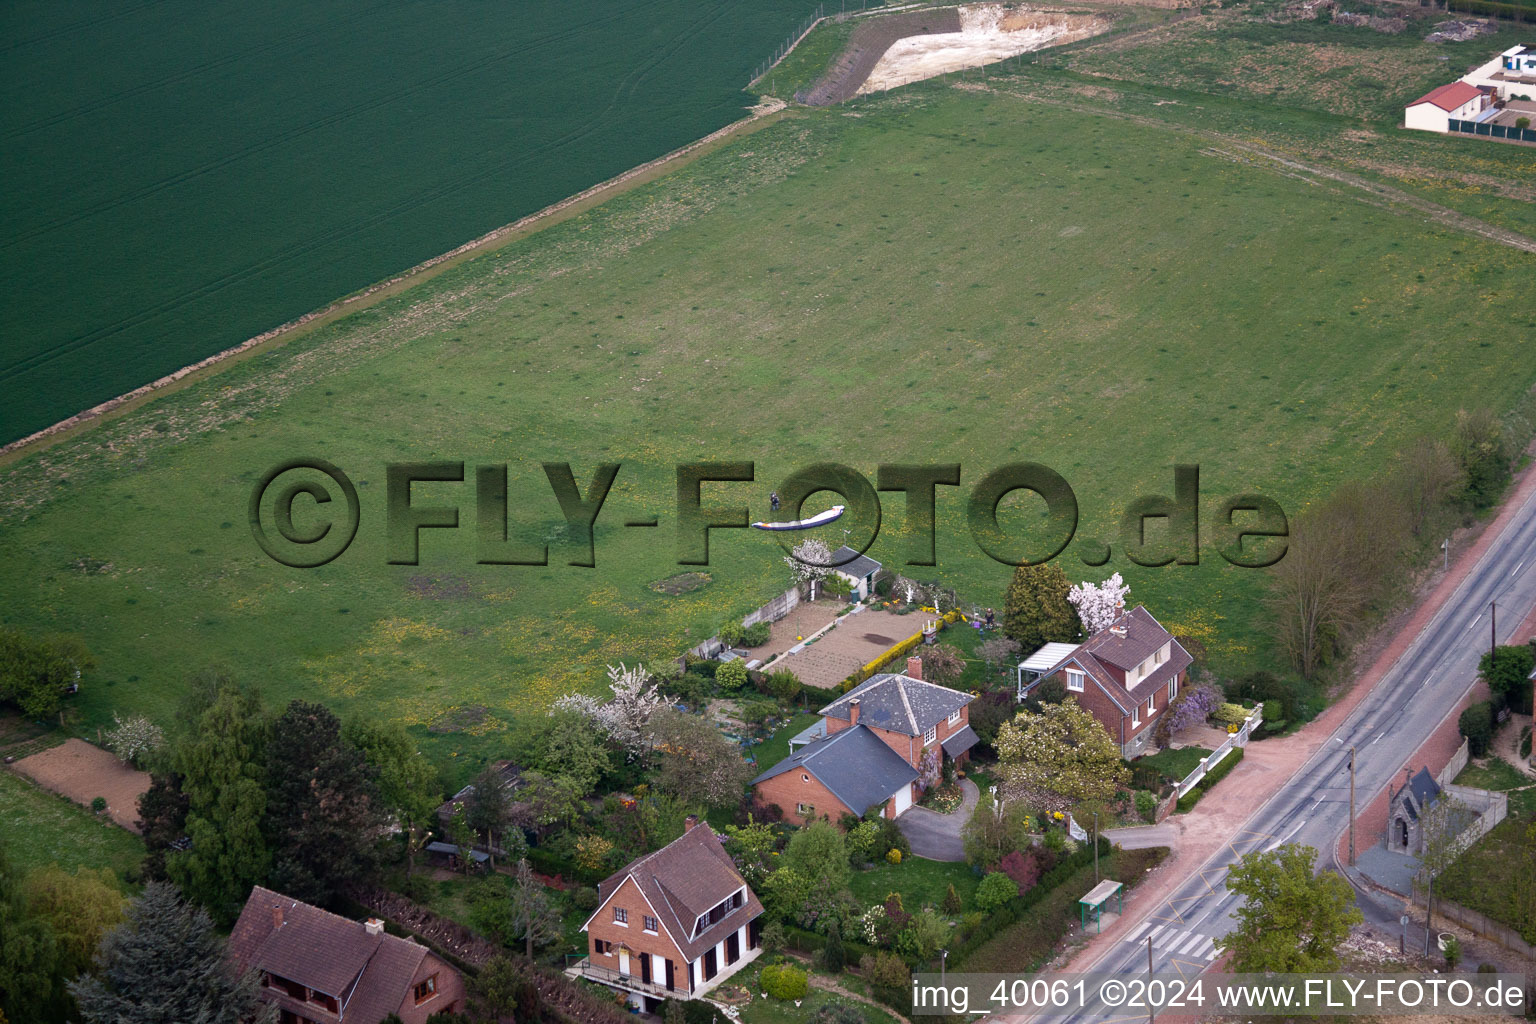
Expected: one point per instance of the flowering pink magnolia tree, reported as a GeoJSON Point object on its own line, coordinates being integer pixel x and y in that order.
{"type": "Point", "coordinates": [1099, 606]}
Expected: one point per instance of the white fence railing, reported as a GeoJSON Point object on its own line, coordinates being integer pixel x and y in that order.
{"type": "Point", "coordinates": [1215, 757]}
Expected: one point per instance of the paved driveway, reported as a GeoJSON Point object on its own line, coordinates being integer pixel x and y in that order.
{"type": "Point", "coordinates": [936, 836]}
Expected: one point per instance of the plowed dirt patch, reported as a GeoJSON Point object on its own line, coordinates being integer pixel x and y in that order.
{"type": "Point", "coordinates": [83, 772]}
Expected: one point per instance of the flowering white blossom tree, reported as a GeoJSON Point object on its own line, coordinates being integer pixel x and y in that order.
{"type": "Point", "coordinates": [625, 717]}
{"type": "Point", "coordinates": [134, 738]}
{"type": "Point", "coordinates": [1099, 606]}
{"type": "Point", "coordinates": [810, 561]}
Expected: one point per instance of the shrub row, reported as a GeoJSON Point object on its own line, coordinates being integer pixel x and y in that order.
{"type": "Point", "coordinates": [1212, 777]}
{"type": "Point", "coordinates": [1026, 941]}
{"type": "Point", "coordinates": [1005, 916]}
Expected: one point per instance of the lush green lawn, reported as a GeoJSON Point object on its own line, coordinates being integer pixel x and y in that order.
{"type": "Point", "coordinates": [776, 747]}
{"type": "Point", "coordinates": [773, 1011]}
{"type": "Point", "coordinates": [920, 882]}
{"type": "Point", "coordinates": [948, 276]}
{"type": "Point", "coordinates": [38, 828]}
{"type": "Point", "coordinates": [1175, 764]}
{"type": "Point", "coordinates": [1493, 876]}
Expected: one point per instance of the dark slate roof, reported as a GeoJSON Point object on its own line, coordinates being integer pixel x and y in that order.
{"type": "Point", "coordinates": [1143, 635]}
{"type": "Point", "coordinates": [845, 559]}
{"type": "Point", "coordinates": [899, 703]}
{"type": "Point", "coordinates": [855, 764]}
{"type": "Point", "coordinates": [681, 881]}
{"type": "Point", "coordinates": [369, 974]}
{"type": "Point", "coordinates": [478, 856]}
{"type": "Point", "coordinates": [1423, 788]}
{"type": "Point", "coordinates": [960, 742]}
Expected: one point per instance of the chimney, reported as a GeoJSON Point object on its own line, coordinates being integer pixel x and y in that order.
{"type": "Point", "coordinates": [277, 915]}
{"type": "Point", "coordinates": [689, 822]}
{"type": "Point", "coordinates": [915, 667]}
{"type": "Point", "coordinates": [374, 926]}
{"type": "Point", "coordinates": [853, 711]}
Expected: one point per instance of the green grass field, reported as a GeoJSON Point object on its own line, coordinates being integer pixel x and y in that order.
{"type": "Point", "coordinates": [922, 883]}
{"type": "Point", "coordinates": [41, 828]}
{"type": "Point", "coordinates": [938, 274]}
{"type": "Point", "coordinates": [183, 176]}
{"type": "Point", "coordinates": [1498, 864]}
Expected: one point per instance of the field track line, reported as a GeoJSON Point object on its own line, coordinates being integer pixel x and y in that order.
{"type": "Point", "coordinates": [1442, 215]}
{"type": "Point", "coordinates": [768, 111]}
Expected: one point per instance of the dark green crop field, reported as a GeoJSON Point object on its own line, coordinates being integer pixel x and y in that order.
{"type": "Point", "coordinates": [938, 274]}
{"type": "Point", "coordinates": [180, 176]}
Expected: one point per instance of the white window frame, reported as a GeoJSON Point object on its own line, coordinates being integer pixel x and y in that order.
{"type": "Point", "coordinates": [803, 809]}
{"type": "Point", "coordinates": [1136, 714]}
{"type": "Point", "coordinates": [954, 718]}
{"type": "Point", "coordinates": [1079, 676]}
{"type": "Point", "coordinates": [1152, 706]}
{"type": "Point", "coordinates": [1173, 688]}
{"type": "Point", "coordinates": [932, 733]}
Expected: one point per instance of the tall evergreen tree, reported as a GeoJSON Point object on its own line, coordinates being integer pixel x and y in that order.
{"type": "Point", "coordinates": [1036, 611]}
{"type": "Point", "coordinates": [166, 965]}
{"type": "Point", "coordinates": [324, 816]}
{"type": "Point", "coordinates": [220, 762]}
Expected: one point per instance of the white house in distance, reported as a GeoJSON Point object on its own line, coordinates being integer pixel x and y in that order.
{"type": "Point", "coordinates": [1511, 75]}
{"type": "Point", "coordinates": [1493, 100]}
{"type": "Point", "coordinates": [1433, 111]}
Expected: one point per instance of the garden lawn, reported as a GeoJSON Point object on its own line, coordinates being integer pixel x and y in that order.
{"type": "Point", "coordinates": [776, 747]}
{"type": "Point", "coordinates": [1493, 877]}
{"type": "Point", "coordinates": [948, 276]}
{"type": "Point", "coordinates": [920, 882]}
{"type": "Point", "coordinates": [38, 828]}
{"type": "Point", "coordinates": [774, 1011]}
{"type": "Point", "coordinates": [1175, 764]}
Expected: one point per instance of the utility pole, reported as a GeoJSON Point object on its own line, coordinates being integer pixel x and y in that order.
{"type": "Point", "coordinates": [1351, 806]}
{"type": "Point", "coordinates": [1402, 941]}
{"type": "Point", "coordinates": [1151, 1009]}
{"type": "Point", "coordinates": [1095, 847]}
{"type": "Point", "coordinates": [1429, 914]}
{"type": "Point", "coordinates": [1445, 546]}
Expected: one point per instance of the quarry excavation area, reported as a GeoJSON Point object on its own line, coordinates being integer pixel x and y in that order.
{"type": "Point", "coordinates": [987, 33]}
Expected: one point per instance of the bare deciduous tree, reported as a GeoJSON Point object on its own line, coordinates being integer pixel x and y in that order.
{"type": "Point", "coordinates": [1427, 476]}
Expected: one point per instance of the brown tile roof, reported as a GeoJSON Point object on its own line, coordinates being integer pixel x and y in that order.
{"type": "Point", "coordinates": [1142, 636]}
{"type": "Point", "coordinates": [368, 974]}
{"type": "Point", "coordinates": [684, 879]}
{"type": "Point", "coordinates": [1448, 97]}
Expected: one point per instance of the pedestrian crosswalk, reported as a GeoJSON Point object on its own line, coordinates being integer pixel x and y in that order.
{"type": "Point", "coordinates": [1175, 941]}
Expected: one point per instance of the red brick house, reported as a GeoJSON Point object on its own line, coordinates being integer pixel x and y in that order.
{"type": "Point", "coordinates": [847, 765]}
{"type": "Point", "coordinates": [320, 968]}
{"type": "Point", "coordinates": [672, 924]}
{"type": "Point", "coordinates": [1125, 675]}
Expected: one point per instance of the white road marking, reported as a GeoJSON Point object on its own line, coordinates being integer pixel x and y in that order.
{"type": "Point", "coordinates": [1516, 569]}
{"type": "Point", "coordinates": [1288, 835]}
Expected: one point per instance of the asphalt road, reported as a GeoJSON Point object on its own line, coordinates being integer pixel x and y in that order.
{"type": "Point", "coordinates": [1313, 807]}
